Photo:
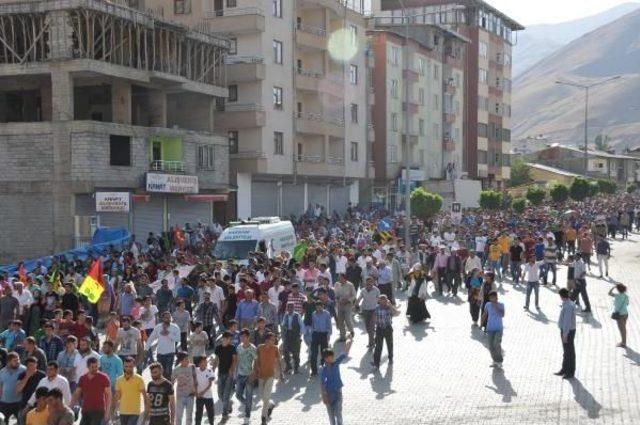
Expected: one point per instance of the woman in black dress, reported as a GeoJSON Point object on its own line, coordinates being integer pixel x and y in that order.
{"type": "Point", "coordinates": [417, 307]}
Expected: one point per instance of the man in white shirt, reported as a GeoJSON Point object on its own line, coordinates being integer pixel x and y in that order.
{"type": "Point", "coordinates": [217, 293]}
{"type": "Point", "coordinates": [326, 273]}
{"type": "Point", "coordinates": [481, 242]}
{"type": "Point", "coordinates": [341, 262]}
{"type": "Point", "coordinates": [274, 292]}
{"type": "Point", "coordinates": [86, 352]}
{"type": "Point", "coordinates": [472, 262]}
{"type": "Point", "coordinates": [531, 275]}
{"type": "Point", "coordinates": [25, 299]}
{"type": "Point", "coordinates": [51, 381]}
{"type": "Point", "coordinates": [168, 335]}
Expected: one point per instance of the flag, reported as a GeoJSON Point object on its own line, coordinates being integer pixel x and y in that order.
{"type": "Point", "coordinates": [22, 274]}
{"type": "Point", "coordinates": [384, 225]}
{"type": "Point", "coordinates": [92, 287]}
{"type": "Point", "coordinates": [299, 251]}
{"type": "Point", "coordinates": [54, 278]}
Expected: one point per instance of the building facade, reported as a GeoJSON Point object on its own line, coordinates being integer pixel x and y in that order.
{"type": "Point", "coordinates": [491, 35]}
{"type": "Point", "coordinates": [296, 113]}
{"type": "Point", "coordinates": [426, 88]}
{"type": "Point", "coordinates": [98, 97]}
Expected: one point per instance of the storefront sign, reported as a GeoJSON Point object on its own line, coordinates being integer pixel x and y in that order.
{"type": "Point", "coordinates": [117, 202]}
{"type": "Point", "coordinates": [171, 183]}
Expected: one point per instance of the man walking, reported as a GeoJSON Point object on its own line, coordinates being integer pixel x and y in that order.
{"type": "Point", "coordinates": [345, 297]}
{"type": "Point", "coordinates": [168, 335]}
{"type": "Point", "coordinates": [550, 258]}
{"type": "Point", "coordinates": [94, 389]}
{"type": "Point", "coordinates": [567, 325]}
{"type": "Point", "coordinates": [267, 363]}
{"type": "Point", "coordinates": [184, 374]}
{"type": "Point", "coordinates": [603, 253]}
{"type": "Point", "coordinates": [247, 355]}
{"type": "Point", "coordinates": [580, 274]}
{"type": "Point", "coordinates": [320, 333]}
{"type": "Point", "coordinates": [292, 330]}
{"type": "Point", "coordinates": [367, 302]}
{"type": "Point", "coordinates": [226, 361]}
{"type": "Point", "coordinates": [532, 277]}
{"type": "Point", "coordinates": [331, 383]}
{"type": "Point", "coordinates": [129, 389]}
{"type": "Point", "coordinates": [492, 316]}
{"type": "Point", "coordinates": [384, 329]}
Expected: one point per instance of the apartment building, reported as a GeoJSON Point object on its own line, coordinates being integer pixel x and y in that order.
{"type": "Point", "coordinates": [106, 119]}
{"type": "Point", "coordinates": [425, 88]}
{"type": "Point", "coordinates": [296, 112]}
{"type": "Point", "coordinates": [491, 35]}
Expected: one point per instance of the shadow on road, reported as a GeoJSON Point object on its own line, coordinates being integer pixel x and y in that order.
{"type": "Point", "coordinates": [479, 335]}
{"type": "Point", "coordinates": [381, 385]}
{"type": "Point", "coordinates": [539, 316]}
{"type": "Point", "coordinates": [502, 386]}
{"type": "Point", "coordinates": [632, 355]}
{"type": "Point", "coordinates": [585, 399]}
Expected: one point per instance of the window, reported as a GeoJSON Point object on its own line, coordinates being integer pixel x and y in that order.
{"type": "Point", "coordinates": [483, 50]}
{"type": "Point", "coordinates": [299, 151]}
{"type": "Point", "coordinates": [482, 130]}
{"type": "Point", "coordinates": [436, 102]}
{"type": "Point", "coordinates": [276, 8]}
{"type": "Point", "coordinates": [233, 93]}
{"type": "Point", "coordinates": [277, 98]}
{"type": "Point", "coordinates": [394, 121]}
{"type": "Point", "coordinates": [354, 113]}
{"type": "Point", "coordinates": [421, 66]}
{"type": "Point", "coordinates": [421, 96]}
{"type": "Point", "coordinates": [394, 89]}
{"type": "Point", "coordinates": [354, 151]}
{"type": "Point", "coordinates": [278, 143]}
{"type": "Point", "coordinates": [277, 52]}
{"type": "Point", "coordinates": [482, 157]}
{"type": "Point", "coordinates": [506, 160]}
{"type": "Point", "coordinates": [506, 135]}
{"type": "Point", "coordinates": [232, 137]}
{"type": "Point", "coordinates": [395, 55]}
{"type": "Point", "coordinates": [392, 153]}
{"type": "Point", "coordinates": [119, 151]}
{"type": "Point", "coordinates": [206, 157]}
{"type": "Point", "coordinates": [436, 131]}
{"type": "Point", "coordinates": [506, 84]}
{"type": "Point", "coordinates": [232, 3]}
{"type": "Point", "coordinates": [483, 75]}
{"type": "Point", "coordinates": [483, 103]}
{"type": "Point", "coordinates": [233, 46]}
{"type": "Point", "coordinates": [436, 72]}
{"type": "Point", "coordinates": [421, 127]}
{"type": "Point", "coordinates": [353, 74]}
{"type": "Point", "coordinates": [353, 33]}
{"type": "Point", "coordinates": [181, 7]}
{"type": "Point", "coordinates": [497, 108]}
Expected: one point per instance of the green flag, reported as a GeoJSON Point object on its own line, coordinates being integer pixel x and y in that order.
{"type": "Point", "coordinates": [299, 251]}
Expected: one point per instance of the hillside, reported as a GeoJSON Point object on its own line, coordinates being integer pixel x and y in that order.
{"type": "Point", "coordinates": [539, 41]}
{"type": "Point", "coordinates": [542, 107]}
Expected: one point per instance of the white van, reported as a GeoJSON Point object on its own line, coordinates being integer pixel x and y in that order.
{"type": "Point", "coordinates": [242, 237]}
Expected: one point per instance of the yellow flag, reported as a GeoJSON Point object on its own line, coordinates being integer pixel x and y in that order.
{"type": "Point", "coordinates": [92, 287]}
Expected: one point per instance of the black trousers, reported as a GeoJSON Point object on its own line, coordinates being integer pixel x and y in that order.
{"type": "Point", "coordinates": [474, 309]}
{"type": "Point", "coordinates": [569, 354]}
{"type": "Point", "coordinates": [92, 418]}
{"type": "Point", "coordinates": [211, 331]}
{"type": "Point", "coordinates": [382, 335]}
{"type": "Point", "coordinates": [183, 341]}
{"type": "Point", "coordinates": [319, 341]}
{"type": "Point", "coordinates": [581, 290]}
{"type": "Point", "coordinates": [291, 348]}
{"type": "Point", "coordinates": [206, 403]}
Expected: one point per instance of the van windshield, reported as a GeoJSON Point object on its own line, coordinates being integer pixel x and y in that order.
{"type": "Point", "coordinates": [225, 250]}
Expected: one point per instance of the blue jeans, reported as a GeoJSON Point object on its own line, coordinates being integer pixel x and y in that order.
{"type": "Point", "coordinates": [184, 408]}
{"type": "Point", "coordinates": [496, 268]}
{"type": "Point", "coordinates": [166, 360]}
{"type": "Point", "coordinates": [516, 271]}
{"type": "Point", "coordinates": [244, 393]}
{"type": "Point", "coordinates": [225, 389]}
{"type": "Point", "coordinates": [532, 286]}
{"type": "Point", "coordinates": [129, 419]}
{"type": "Point", "coordinates": [552, 267]}
{"type": "Point", "coordinates": [334, 409]}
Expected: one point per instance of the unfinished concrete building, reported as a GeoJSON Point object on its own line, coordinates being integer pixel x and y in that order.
{"type": "Point", "coordinates": [99, 97]}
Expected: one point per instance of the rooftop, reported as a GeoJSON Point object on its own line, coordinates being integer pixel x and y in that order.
{"type": "Point", "coordinates": [552, 170]}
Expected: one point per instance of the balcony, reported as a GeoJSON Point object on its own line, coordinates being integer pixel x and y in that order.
{"type": "Point", "coordinates": [167, 166]}
{"type": "Point", "coordinates": [245, 69]}
{"type": "Point", "coordinates": [308, 80]}
{"type": "Point", "coordinates": [240, 155]}
{"type": "Point", "coordinates": [335, 160]}
{"type": "Point", "coordinates": [413, 138]}
{"type": "Point", "coordinates": [244, 20]}
{"type": "Point", "coordinates": [410, 75]}
{"type": "Point", "coordinates": [449, 117]}
{"type": "Point", "coordinates": [334, 5]}
{"type": "Point", "coordinates": [318, 166]}
{"type": "Point", "coordinates": [233, 116]}
{"type": "Point", "coordinates": [411, 107]}
{"type": "Point", "coordinates": [317, 124]}
{"type": "Point", "coordinates": [310, 37]}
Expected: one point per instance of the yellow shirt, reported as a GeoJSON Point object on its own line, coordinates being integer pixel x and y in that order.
{"type": "Point", "coordinates": [494, 252]}
{"type": "Point", "coordinates": [503, 241]}
{"type": "Point", "coordinates": [130, 393]}
{"type": "Point", "coordinates": [38, 418]}
{"type": "Point", "coordinates": [570, 235]}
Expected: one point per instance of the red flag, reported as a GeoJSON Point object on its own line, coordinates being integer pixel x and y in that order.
{"type": "Point", "coordinates": [93, 286]}
{"type": "Point", "coordinates": [22, 274]}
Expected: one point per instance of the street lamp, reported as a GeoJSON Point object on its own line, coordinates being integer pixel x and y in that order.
{"type": "Point", "coordinates": [586, 88]}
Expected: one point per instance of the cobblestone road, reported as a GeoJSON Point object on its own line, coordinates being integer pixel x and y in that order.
{"type": "Point", "coordinates": [441, 373]}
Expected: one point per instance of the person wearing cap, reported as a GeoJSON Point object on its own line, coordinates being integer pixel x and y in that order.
{"type": "Point", "coordinates": [384, 329]}
{"type": "Point", "coordinates": [492, 314]}
{"type": "Point", "coordinates": [293, 328]}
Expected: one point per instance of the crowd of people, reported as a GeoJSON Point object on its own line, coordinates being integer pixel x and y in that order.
{"type": "Point", "coordinates": [198, 322]}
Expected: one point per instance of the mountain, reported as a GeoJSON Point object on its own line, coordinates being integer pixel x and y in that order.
{"type": "Point", "coordinates": [539, 41]}
{"type": "Point", "coordinates": [542, 107]}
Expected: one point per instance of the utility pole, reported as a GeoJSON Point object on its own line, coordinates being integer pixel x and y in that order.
{"type": "Point", "coordinates": [407, 160]}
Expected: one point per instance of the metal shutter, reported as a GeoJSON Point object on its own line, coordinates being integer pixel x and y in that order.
{"type": "Point", "coordinates": [339, 198]}
{"type": "Point", "coordinates": [86, 206]}
{"type": "Point", "coordinates": [181, 212]}
{"type": "Point", "coordinates": [147, 217]}
{"type": "Point", "coordinates": [317, 194]}
{"type": "Point", "coordinates": [293, 200]}
{"type": "Point", "coordinates": [114, 220]}
{"type": "Point", "coordinates": [264, 199]}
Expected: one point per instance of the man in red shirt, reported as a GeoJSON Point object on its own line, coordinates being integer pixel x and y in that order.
{"type": "Point", "coordinates": [95, 390]}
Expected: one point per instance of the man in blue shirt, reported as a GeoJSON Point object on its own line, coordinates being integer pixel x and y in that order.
{"type": "Point", "coordinates": [247, 311]}
{"type": "Point", "coordinates": [320, 333]}
{"type": "Point", "coordinates": [493, 313]}
{"type": "Point", "coordinates": [331, 383]}
{"type": "Point", "coordinates": [10, 399]}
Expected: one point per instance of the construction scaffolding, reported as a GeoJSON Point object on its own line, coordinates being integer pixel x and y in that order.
{"type": "Point", "coordinates": [111, 33]}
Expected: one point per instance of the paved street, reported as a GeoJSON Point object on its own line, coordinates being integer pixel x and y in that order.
{"type": "Point", "coordinates": [441, 372]}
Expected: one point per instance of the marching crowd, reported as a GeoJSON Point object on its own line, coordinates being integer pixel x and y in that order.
{"type": "Point", "coordinates": [198, 322]}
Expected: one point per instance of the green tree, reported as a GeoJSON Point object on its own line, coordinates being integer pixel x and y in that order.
{"type": "Point", "coordinates": [632, 188]}
{"type": "Point", "coordinates": [520, 173]}
{"type": "Point", "coordinates": [490, 199]}
{"type": "Point", "coordinates": [559, 192]}
{"type": "Point", "coordinates": [606, 186]}
{"type": "Point", "coordinates": [579, 189]}
{"type": "Point", "coordinates": [602, 143]}
{"type": "Point", "coordinates": [594, 189]}
{"type": "Point", "coordinates": [518, 205]}
{"type": "Point", "coordinates": [536, 195]}
{"type": "Point", "coordinates": [425, 204]}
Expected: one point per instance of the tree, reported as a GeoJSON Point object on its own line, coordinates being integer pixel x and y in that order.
{"type": "Point", "coordinates": [579, 189]}
{"type": "Point", "coordinates": [632, 188]}
{"type": "Point", "coordinates": [594, 188]}
{"type": "Point", "coordinates": [520, 173]}
{"type": "Point", "coordinates": [518, 205]}
{"type": "Point", "coordinates": [559, 192]}
{"type": "Point", "coordinates": [425, 204]}
{"type": "Point", "coordinates": [490, 200]}
{"type": "Point", "coordinates": [606, 186]}
{"type": "Point", "coordinates": [536, 195]}
{"type": "Point", "coordinates": [602, 143]}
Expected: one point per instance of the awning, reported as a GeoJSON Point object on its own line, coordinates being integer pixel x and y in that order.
{"type": "Point", "coordinates": [206, 198]}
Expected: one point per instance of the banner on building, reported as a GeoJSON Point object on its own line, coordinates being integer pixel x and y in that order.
{"type": "Point", "coordinates": [171, 183]}
{"type": "Point", "coordinates": [117, 202]}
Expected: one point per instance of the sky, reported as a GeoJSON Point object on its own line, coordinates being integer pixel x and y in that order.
{"type": "Point", "coordinates": [529, 12]}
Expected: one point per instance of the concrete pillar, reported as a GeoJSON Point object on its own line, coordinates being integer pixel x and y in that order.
{"type": "Point", "coordinates": [244, 195]}
{"type": "Point", "coordinates": [157, 108]}
{"type": "Point", "coordinates": [61, 96]}
{"type": "Point", "coordinates": [45, 96]}
{"type": "Point", "coordinates": [60, 35]}
{"type": "Point", "coordinates": [306, 196]}
{"type": "Point", "coordinates": [121, 102]}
